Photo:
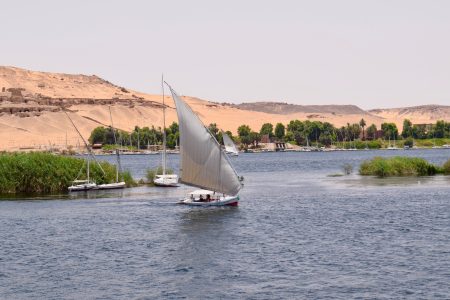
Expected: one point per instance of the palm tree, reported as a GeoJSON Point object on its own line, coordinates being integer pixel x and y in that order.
{"type": "Point", "coordinates": [362, 123]}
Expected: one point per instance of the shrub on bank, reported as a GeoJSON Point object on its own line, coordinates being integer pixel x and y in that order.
{"type": "Point", "coordinates": [41, 172]}
{"type": "Point", "coordinates": [398, 166]}
{"type": "Point", "coordinates": [376, 144]}
{"type": "Point", "coordinates": [446, 167]}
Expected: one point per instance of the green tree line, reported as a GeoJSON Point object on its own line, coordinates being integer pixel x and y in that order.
{"type": "Point", "coordinates": [297, 132]}
{"type": "Point", "coordinates": [325, 133]}
{"type": "Point", "coordinates": [142, 137]}
{"type": "Point", "coordinates": [139, 137]}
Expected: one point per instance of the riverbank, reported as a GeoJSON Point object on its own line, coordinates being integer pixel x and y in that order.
{"type": "Point", "coordinates": [43, 172]}
{"type": "Point", "coordinates": [438, 143]}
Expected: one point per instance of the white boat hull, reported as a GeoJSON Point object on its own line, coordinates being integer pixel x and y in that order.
{"type": "Point", "coordinates": [166, 180]}
{"type": "Point", "coordinates": [110, 186]}
{"type": "Point", "coordinates": [82, 187]}
{"type": "Point", "coordinates": [230, 153]}
{"type": "Point", "coordinates": [166, 184]}
{"type": "Point", "coordinates": [213, 201]}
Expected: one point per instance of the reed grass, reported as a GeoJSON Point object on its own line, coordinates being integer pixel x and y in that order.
{"type": "Point", "coordinates": [446, 167]}
{"type": "Point", "coordinates": [399, 166]}
{"type": "Point", "coordinates": [42, 172]}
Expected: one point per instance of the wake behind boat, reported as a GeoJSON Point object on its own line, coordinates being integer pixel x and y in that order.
{"type": "Point", "coordinates": [203, 163]}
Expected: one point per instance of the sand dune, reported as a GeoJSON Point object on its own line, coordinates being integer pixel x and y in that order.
{"type": "Point", "coordinates": [32, 104]}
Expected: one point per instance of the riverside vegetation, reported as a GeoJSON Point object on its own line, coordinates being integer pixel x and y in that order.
{"type": "Point", "coordinates": [402, 166]}
{"type": "Point", "coordinates": [41, 172]}
{"type": "Point", "coordinates": [297, 132]}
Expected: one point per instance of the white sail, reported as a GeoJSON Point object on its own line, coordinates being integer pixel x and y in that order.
{"type": "Point", "coordinates": [203, 163]}
{"type": "Point", "coordinates": [230, 147]}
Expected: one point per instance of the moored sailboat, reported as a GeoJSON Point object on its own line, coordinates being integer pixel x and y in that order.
{"type": "Point", "coordinates": [165, 180]}
{"type": "Point", "coordinates": [230, 147]}
{"type": "Point", "coordinates": [88, 184]}
{"type": "Point", "coordinates": [203, 163]}
{"type": "Point", "coordinates": [83, 185]}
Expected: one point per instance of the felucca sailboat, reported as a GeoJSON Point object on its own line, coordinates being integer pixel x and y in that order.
{"type": "Point", "coordinates": [203, 163]}
{"type": "Point", "coordinates": [166, 180]}
{"type": "Point", "coordinates": [87, 184]}
{"type": "Point", "coordinates": [230, 147]}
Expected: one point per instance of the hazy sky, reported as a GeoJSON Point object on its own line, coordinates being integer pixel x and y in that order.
{"type": "Point", "coordinates": [369, 53]}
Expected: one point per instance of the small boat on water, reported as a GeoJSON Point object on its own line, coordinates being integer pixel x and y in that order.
{"type": "Point", "coordinates": [87, 184]}
{"type": "Point", "coordinates": [111, 186]}
{"type": "Point", "coordinates": [203, 162]}
{"type": "Point", "coordinates": [81, 185]}
{"type": "Point", "coordinates": [230, 147]}
{"type": "Point", "coordinates": [165, 180]}
{"type": "Point", "coordinates": [209, 198]}
{"type": "Point", "coordinates": [84, 184]}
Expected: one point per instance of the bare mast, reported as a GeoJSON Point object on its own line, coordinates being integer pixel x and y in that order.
{"type": "Point", "coordinates": [118, 167]}
{"type": "Point", "coordinates": [164, 127]}
{"type": "Point", "coordinates": [85, 143]}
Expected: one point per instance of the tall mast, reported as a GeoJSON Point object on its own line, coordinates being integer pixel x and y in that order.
{"type": "Point", "coordinates": [85, 143]}
{"type": "Point", "coordinates": [118, 166]}
{"type": "Point", "coordinates": [164, 127]}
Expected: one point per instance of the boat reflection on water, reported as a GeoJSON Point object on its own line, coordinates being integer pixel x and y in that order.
{"type": "Point", "coordinates": [96, 194]}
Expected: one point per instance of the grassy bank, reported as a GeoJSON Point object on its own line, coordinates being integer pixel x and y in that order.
{"type": "Point", "coordinates": [431, 142]}
{"type": "Point", "coordinates": [381, 144]}
{"type": "Point", "coordinates": [42, 172]}
{"type": "Point", "coordinates": [401, 166]}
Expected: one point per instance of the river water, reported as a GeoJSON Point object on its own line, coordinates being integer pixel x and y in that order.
{"type": "Point", "coordinates": [297, 233]}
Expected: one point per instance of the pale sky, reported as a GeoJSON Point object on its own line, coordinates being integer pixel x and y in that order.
{"type": "Point", "coordinates": [380, 53]}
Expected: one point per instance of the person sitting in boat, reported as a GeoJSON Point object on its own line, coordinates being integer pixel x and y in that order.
{"type": "Point", "coordinates": [208, 198]}
{"type": "Point", "coordinates": [201, 198]}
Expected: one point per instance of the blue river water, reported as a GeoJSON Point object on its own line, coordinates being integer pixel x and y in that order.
{"type": "Point", "coordinates": [297, 233]}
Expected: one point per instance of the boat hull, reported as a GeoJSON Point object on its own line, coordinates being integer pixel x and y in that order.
{"type": "Point", "coordinates": [166, 180]}
{"type": "Point", "coordinates": [111, 186]}
{"type": "Point", "coordinates": [232, 153]}
{"type": "Point", "coordinates": [223, 201]}
{"type": "Point", "coordinates": [82, 187]}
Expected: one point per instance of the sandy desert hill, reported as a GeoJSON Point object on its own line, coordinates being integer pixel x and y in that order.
{"type": "Point", "coordinates": [286, 108]}
{"type": "Point", "coordinates": [32, 105]}
{"type": "Point", "coordinates": [423, 114]}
